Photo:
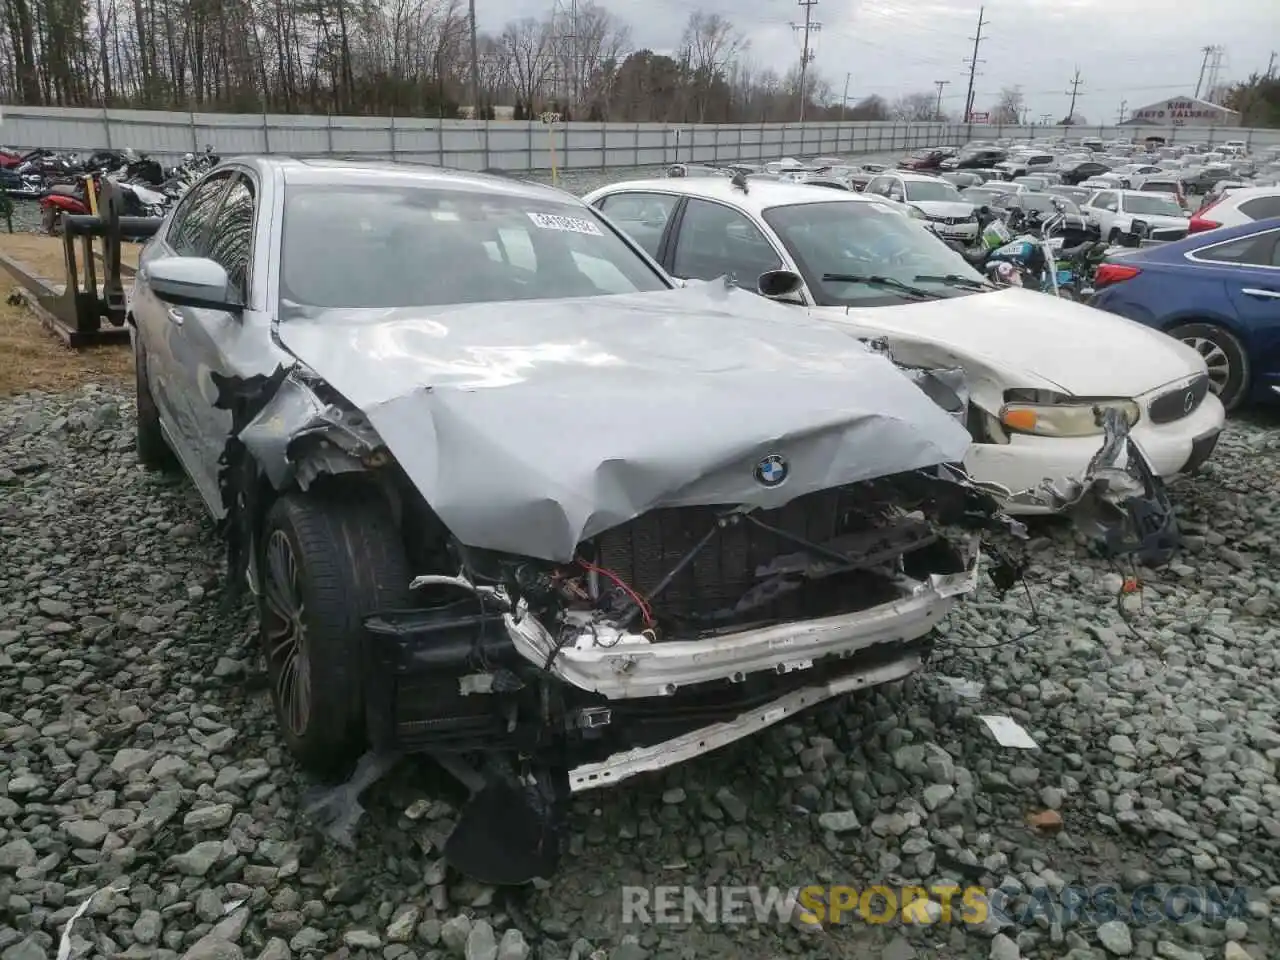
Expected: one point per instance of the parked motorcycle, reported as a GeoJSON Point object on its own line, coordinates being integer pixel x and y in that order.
{"type": "Point", "coordinates": [72, 198]}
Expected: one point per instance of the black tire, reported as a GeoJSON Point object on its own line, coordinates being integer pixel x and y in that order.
{"type": "Point", "coordinates": [1114, 236]}
{"type": "Point", "coordinates": [153, 451]}
{"type": "Point", "coordinates": [51, 220]}
{"type": "Point", "coordinates": [1229, 372]}
{"type": "Point", "coordinates": [347, 561]}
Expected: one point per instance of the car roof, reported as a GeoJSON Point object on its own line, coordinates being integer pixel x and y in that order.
{"type": "Point", "coordinates": [1248, 193]}
{"type": "Point", "coordinates": [760, 195]}
{"type": "Point", "coordinates": [322, 171]}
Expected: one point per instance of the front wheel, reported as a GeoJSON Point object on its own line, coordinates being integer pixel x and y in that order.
{"type": "Point", "coordinates": [325, 563]}
{"type": "Point", "coordinates": [51, 220]}
{"type": "Point", "coordinates": [1223, 355]}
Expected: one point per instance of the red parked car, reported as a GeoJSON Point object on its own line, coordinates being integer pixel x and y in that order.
{"type": "Point", "coordinates": [928, 159]}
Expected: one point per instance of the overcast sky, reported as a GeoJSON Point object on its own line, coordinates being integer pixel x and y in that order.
{"type": "Point", "coordinates": [1135, 50]}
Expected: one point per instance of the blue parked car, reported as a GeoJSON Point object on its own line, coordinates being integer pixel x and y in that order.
{"type": "Point", "coordinates": [1218, 292]}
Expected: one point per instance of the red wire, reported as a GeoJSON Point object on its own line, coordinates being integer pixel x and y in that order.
{"type": "Point", "coordinates": [639, 602]}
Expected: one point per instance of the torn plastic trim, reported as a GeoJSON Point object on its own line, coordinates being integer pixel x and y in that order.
{"type": "Point", "coordinates": [683, 748]}
{"type": "Point", "coordinates": [344, 440]}
{"type": "Point", "coordinates": [622, 664]}
{"type": "Point", "coordinates": [281, 429]}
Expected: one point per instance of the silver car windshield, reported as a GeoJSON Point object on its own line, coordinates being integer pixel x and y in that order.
{"type": "Point", "coordinates": [403, 246]}
{"type": "Point", "coordinates": [867, 240]}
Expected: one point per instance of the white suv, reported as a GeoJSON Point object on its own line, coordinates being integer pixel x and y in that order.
{"type": "Point", "coordinates": [1237, 207]}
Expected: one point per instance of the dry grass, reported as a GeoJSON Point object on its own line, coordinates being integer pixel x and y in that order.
{"type": "Point", "coordinates": [31, 357]}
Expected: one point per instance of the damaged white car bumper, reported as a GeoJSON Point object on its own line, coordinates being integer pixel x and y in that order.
{"type": "Point", "coordinates": [1026, 462]}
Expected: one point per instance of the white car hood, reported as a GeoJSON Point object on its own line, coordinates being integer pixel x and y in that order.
{"type": "Point", "coordinates": [944, 208]}
{"type": "Point", "coordinates": [1080, 350]}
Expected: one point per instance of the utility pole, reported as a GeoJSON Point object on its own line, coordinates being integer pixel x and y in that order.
{"type": "Point", "coordinates": [973, 64]}
{"type": "Point", "coordinates": [475, 66]}
{"type": "Point", "coordinates": [806, 57]}
{"type": "Point", "coordinates": [1215, 70]}
{"type": "Point", "coordinates": [937, 113]}
{"type": "Point", "coordinates": [1271, 65]}
{"type": "Point", "coordinates": [1074, 91]}
{"type": "Point", "coordinates": [844, 101]}
{"type": "Point", "coordinates": [1204, 64]}
{"type": "Point", "coordinates": [1120, 113]}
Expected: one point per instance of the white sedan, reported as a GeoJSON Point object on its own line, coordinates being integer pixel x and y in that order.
{"type": "Point", "coordinates": [1037, 367]}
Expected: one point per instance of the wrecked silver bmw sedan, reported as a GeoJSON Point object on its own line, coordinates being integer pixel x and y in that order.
{"type": "Point", "coordinates": [508, 495]}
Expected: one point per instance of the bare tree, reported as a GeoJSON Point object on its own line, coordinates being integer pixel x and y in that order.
{"type": "Point", "coordinates": [397, 57]}
{"type": "Point", "coordinates": [528, 49]}
{"type": "Point", "coordinates": [914, 107]}
{"type": "Point", "coordinates": [709, 44]}
{"type": "Point", "coordinates": [1008, 108]}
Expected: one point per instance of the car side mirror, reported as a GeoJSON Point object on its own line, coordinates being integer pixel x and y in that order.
{"type": "Point", "coordinates": [782, 285]}
{"type": "Point", "coordinates": [190, 282]}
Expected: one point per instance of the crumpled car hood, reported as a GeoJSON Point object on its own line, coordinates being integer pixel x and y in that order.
{"type": "Point", "coordinates": [529, 427]}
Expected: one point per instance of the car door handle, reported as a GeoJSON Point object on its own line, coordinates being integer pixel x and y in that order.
{"type": "Point", "coordinates": [1265, 294]}
{"type": "Point", "coordinates": [175, 315]}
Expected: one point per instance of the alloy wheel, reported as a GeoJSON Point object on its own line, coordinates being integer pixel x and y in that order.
{"type": "Point", "coordinates": [284, 633]}
{"type": "Point", "coordinates": [1215, 359]}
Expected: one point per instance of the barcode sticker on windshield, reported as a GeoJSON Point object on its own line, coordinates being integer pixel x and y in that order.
{"type": "Point", "coordinates": [552, 221]}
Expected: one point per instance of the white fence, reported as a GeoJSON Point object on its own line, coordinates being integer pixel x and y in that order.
{"type": "Point", "coordinates": [516, 144]}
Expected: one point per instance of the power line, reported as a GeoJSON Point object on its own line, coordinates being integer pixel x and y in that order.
{"type": "Point", "coordinates": [973, 65]}
{"type": "Point", "coordinates": [806, 56]}
{"type": "Point", "coordinates": [937, 112]}
{"type": "Point", "coordinates": [1074, 91]}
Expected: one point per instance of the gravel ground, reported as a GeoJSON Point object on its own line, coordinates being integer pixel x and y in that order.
{"type": "Point", "coordinates": [139, 762]}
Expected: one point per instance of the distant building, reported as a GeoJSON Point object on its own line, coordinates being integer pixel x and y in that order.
{"type": "Point", "coordinates": [1184, 112]}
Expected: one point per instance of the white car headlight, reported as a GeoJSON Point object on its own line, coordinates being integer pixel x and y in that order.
{"type": "Point", "coordinates": [1077, 418]}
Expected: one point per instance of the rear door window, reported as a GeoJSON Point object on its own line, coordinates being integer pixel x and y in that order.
{"type": "Point", "coordinates": [1261, 208]}
{"type": "Point", "coordinates": [643, 216]}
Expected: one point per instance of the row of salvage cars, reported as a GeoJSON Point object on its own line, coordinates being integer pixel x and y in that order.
{"type": "Point", "coordinates": [533, 485]}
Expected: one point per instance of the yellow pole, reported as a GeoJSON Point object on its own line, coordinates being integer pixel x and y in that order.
{"type": "Point", "coordinates": [91, 195]}
{"type": "Point", "coordinates": [551, 142]}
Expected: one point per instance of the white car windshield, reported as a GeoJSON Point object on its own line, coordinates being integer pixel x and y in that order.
{"type": "Point", "coordinates": [1152, 206]}
{"type": "Point", "coordinates": [405, 246]}
{"type": "Point", "coordinates": [929, 190]}
{"type": "Point", "coordinates": [884, 257]}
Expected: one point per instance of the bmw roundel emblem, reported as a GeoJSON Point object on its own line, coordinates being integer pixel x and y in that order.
{"type": "Point", "coordinates": [771, 471]}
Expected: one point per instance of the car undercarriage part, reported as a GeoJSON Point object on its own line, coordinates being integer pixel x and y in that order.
{"type": "Point", "coordinates": [76, 314]}
{"type": "Point", "coordinates": [1128, 508]}
{"type": "Point", "coordinates": [745, 617]}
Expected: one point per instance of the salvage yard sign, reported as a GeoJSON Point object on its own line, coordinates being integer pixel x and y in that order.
{"type": "Point", "coordinates": [1178, 112]}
